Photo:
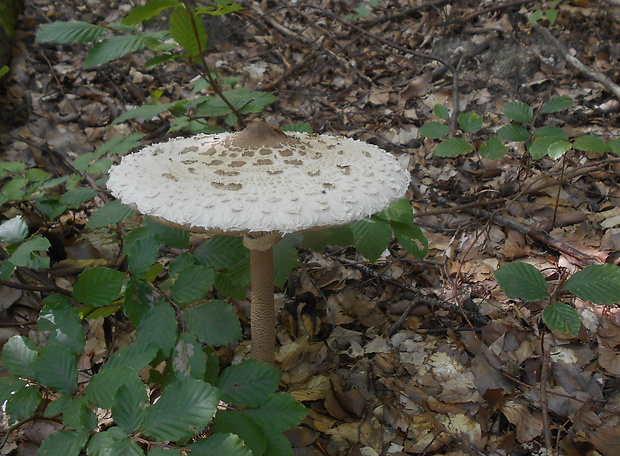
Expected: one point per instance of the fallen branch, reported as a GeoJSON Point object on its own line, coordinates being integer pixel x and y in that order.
{"type": "Point", "coordinates": [576, 63]}
{"type": "Point", "coordinates": [419, 297]}
{"type": "Point", "coordinates": [531, 231]}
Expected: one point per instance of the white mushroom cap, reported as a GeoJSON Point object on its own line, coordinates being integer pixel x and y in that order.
{"type": "Point", "coordinates": [259, 180]}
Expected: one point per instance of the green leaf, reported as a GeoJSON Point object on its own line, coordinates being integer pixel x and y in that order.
{"type": "Point", "coordinates": [4, 70]}
{"type": "Point", "coordinates": [280, 413]}
{"type": "Point", "coordinates": [188, 359]}
{"type": "Point", "coordinates": [522, 281]}
{"type": "Point", "coordinates": [24, 254]}
{"type": "Point", "coordinates": [223, 7]}
{"type": "Point", "coordinates": [129, 409]}
{"type": "Point", "coordinates": [441, 111]}
{"type": "Point", "coordinates": [317, 240]}
{"type": "Point", "coordinates": [60, 318]}
{"type": "Point", "coordinates": [110, 213]}
{"type": "Point", "coordinates": [250, 383]}
{"type": "Point", "coordinates": [101, 443]}
{"type": "Point", "coordinates": [220, 444]}
{"type": "Point", "coordinates": [278, 445]}
{"type": "Point", "coordinates": [411, 238]}
{"type": "Point", "coordinates": [246, 101]}
{"type": "Point", "coordinates": [19, 356]}
{"type": "Point", "coordinates": [13, 230]}
{"type": "Point", "coordinates": [551, 15]}
{"type": "Point", "coordinates": [452, 147]}
{"type": "Point", "coordinates": [182, 30]}
{"type": "Point", "coordinates": [372, 236]}
{"type": "Point", "coordinates": [98, 286]}
{"type": "Point", "coordinates": [547, 145]}
{"type": "Point", "coordinates": [535, 17]}
{"type": "Point", "coordinates": [434, 130]}
{"type": "Point", "coordinates": [50, 206]}
{"type": "Point", "coordinates": [400, 211]}
{"type": "Point", "coordinates": [113, 48]}
{"type": "Point", "coordinates": [192, 284]}
{"type": "Point", "coordinates": [145, 111]}
{"type": "Point", "coordinates": [37, 175]}
{"type": "Point", "coordinates": [176, 238]}
{"type": "Point", "coordinates": [140, 297]}
{"type": "Point", "coordinates": [56, 368]}
{"type": "Point", "coordinates": [590, 143]}
{"type": "Point", "coordinates": [78, 196]}
{"type": "Point", "coordinates": [469, 122]}
{"type": "Point", "coordinates": [77, 415]}
{"type": "Point", "coordinates": [221, 252]}
{"type": "Point", "coordinates": [549, 130]}
{"type": "Point", "coordinates": [142, 251]}
{"type": "Point", "coordinates": [65, 443]}
{"type": "Point", "coordinates": [120, 144]}
{"type": "Point", "coordinates": [214, 323]}
{"type": "Point", "coordinates": [558, 148]}
{"type": "Point", "coordinates": [614, 145]}
{"type": "Point", "coordinates": [69, 32]}
{"type": "Point", "coordinates": [284, 260]}
{"type": "Point", "coordinates": [230, 421]}
{"type": "Point", "coordinates": [57, 406]}
{"type": "Point", "coordinates": [100, 166]}
{"type": "Point", "coordinates": [136, 355]}
{"type": "Point", "coordinates": [126, 447]}
{"type": "Point", "coordinates": [598, 283]}
{"type": "Point", "coordinates": [8, 386]}
{"type": "Point", "coordinates": [562, 317]}
{"type": "Point", "coordinates": [23, 403]}
{"type": "Point", "coordinates": [557, 104]}
{"type": "Point", "coordinates": [493, 148]}
{"type": "Point", "coordinates": [151, 9]}
{"type": "Point", "coordinates": [181, 262]}
{"type": "Point", "coordinates": [155, 451]}
{"type": "Point", "coordinates": [103, 386]}
{"type": "Point", "coordinates": [159, 327]}
{"type": "Point", "coordinates": [301, 127]}
{"type": "Point", "coordinates": [183, 410]}
{"type": "Point", "coordinates": [518, 111]}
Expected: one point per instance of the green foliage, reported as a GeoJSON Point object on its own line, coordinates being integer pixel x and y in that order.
{"type": "Point", "coordinates": [543, 141]}
{"type": "Point", "coordinates": [172, 306]}
{"type": "Point", "coordinates": [362, 10]}
{"type": "Point", "coordinates": [550, 14]}
{"type": "Point", "coordinates": [186, 29]}
{"type": "Point", "coordinates": [599, 284]}
{"type": "Point", "coordinates": [372, 236]}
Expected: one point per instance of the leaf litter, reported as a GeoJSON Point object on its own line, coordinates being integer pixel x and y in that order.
{"type": "Point", "coordinates": [381, 370]}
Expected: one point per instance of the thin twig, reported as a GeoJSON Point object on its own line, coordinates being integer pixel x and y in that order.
{"type": "Point", "coordinates": [544, 404]}
{"type": "Point", "coordinates": [32, 287]}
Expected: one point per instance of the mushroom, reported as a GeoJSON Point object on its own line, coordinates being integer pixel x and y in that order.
{"type": "Point", "coordinates": [261, 184]}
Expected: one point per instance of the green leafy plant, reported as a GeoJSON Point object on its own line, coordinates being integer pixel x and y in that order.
{"type": "Point", "coordinates": [599, 284]}
{"type": "Point", "coordinates": [523, 127]}
{"type": "Point", "coordinates": [165, 391]}
{"type": "Point", "coordinates": [550, 14]}
{"type": "Point", "coordinates": [187, 32]}
{"type": "Point", "coordinates": [362, 10]}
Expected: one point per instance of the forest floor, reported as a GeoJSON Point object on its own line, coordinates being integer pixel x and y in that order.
{"type": "Point", "coordinates": [386, 356]}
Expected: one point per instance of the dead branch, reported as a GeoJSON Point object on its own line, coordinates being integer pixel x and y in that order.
{"type": "Point", "coordinates": [576, 63]}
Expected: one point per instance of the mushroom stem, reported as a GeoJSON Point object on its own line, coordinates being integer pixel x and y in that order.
{"type": "Point", "coordinates": [263, 316]}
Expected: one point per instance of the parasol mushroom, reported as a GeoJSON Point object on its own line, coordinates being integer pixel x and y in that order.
{"type": "Point", "coordinates": [261, 184]}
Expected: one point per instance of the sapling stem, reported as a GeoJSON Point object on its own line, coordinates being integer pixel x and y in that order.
{"type": "Point", "coordinates": [263, 314]}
